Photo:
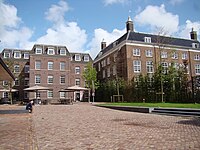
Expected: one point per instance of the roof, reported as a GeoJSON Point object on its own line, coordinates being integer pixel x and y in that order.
{"type": "Point", "coordinates": [155, 39]}
{"type": "Point", "coordinates": [5, 73]}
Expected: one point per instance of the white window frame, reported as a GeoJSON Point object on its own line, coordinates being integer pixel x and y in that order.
{"type": "Point", "coordinates": [26, 55]}
{"type": "Point", "coordinates": [86, 58]}
{"type": "Point", "coordinates": [50, 94]}
{"type": "Point", "coordinates": [6, 54]}
{"type": "Point", "coordinates": [51, 51]}
{"type": "Point", "coordinates": [62, 94]}
{"type": "Point", "coordinates": [5, 94]}
{"type": "Point", "coordinates": [38, 50]}
{"type": "Point", "coordinates": [37, 79]}
{"type": "Point", "coordinates": [62, 79]}
{"type": "Point", "coordinates": [16, 82]}
{"type": "Point", "coordinates": [197, 69]}
{"type": "Point", "coordinates": [147, 39]}
{"type": "Point", "coordinates": [77, 57]}
{"type": "Point", "coordinates": [108, 60]}
{"type": "Point", "coordinates": [63, 51]}
{"type": "Point", "coordinates": [38, 64]}
{"type": "Point", "coordinates": [149, 53]}
{"type": "Point", "coordinates": [5, 83]}
{"type": "Point", "coordinates": [16, 68]}
{"type": "Point", "coordinates": [136, 52]}
{"type": "Point", "coordinates": [184, 56]}
{"type": "Point", "coordinates": [62, 66]}
{"type": "Point", "coordinates": [149, 66]}
{"type": "Point", "coordinates": [137, 66]}
{"type": "Point", "coordinates": [50, 65]}
{"type": "Point", "coordinates": [17, 54]}
{"type": "Point", "coordinates": [165, 66]}
{"type": "Point", "coordinates": [196, 57]}
{"type": "Point", "coordinates": [77, 70]}
{"type": "Point", "coordinates": [78, 81]}
{"type": "Point", "coordinates": [174, 55]}
{"type": "Point", "coordinates": [50, 79]}
{"type": "Point", "coordinates": [163, 54]}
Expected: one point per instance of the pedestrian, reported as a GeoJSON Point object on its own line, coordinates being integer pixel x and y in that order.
{"type": "Point", "coordinates": [29, 106]}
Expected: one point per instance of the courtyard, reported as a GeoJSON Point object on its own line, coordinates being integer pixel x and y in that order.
{"type": "Point", "coordinates": [83, 126]}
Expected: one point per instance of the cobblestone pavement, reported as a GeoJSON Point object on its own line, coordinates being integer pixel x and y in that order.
{"type": "Point", "coordinates": [86, 127]}
{"type": "Point", "coordinates": [83, 126]}
{"type": "Point", "coordinates": [16, 129]}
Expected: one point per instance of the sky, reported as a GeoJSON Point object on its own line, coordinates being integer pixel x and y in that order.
{"type": "Point", "coordinates": [81, 25]}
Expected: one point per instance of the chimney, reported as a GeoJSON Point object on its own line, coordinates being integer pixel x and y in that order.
{"type": "Point", "coordinates": [129, 25]}
{"type": "Point", "coordinates": [103, 44]}
{"type": "Point", "coordinates": [193, 35]}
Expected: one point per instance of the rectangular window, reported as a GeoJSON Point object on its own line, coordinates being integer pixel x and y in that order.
{"type": "Point", "coordinates": [137, 66]}
{"type": "Point", "coordinates": [149, 65]}
{"type": "Point", "coordinates": [26, 82]}
{"type": "Point", "coordinates": [26, 95]}
{"type": "Point", "coordinates": [38, 50]}
{"type": "Point", "coordinates": [37, 79]}
{"type": "Point", "coordinates": [164, 67]}
{"type": "Point", "coordinates": [163, 54]}
{"type": "Point", "coordinates": [50, 94]}
{"type": "Point", "coordinates": [16, 69]}
{"type": "Point", "coordinates": [147, 39]}
{"type": "Point", "coordinates": [174, 55]}
{"type": "Point", "coordinates": [62, 94]}
{"type": "Point", "coordinates": [50, 79]}
{"type": "Point", "coordinates": [17, 54]}
{"type": "Point", "coordinates": [77, 57]}
{"type": "Point", "coordinates": [5, 94]}
{"type": "Point", "coordinates": [62, 51]}
{"type": "Point", "coordinates": [37, 64]}
{"type": "Point", "coordinates": [184, 56]}
{"type": "Point", "coordinates": [108, 72]}
{"type": "Point", "coordinates": [62, 66]}
{"type": "Point", "coordinates": [104, 73]}
{"type": "Point", "coordinates": [114, 70]}
{"type": "Point", "coordinates": [26, 68]}
{"type": "Point", "coordinates": [149, 53]}
{"type": "Point", "coordinates": [108, 60]}
{"type": "Point", "coordinates": [6, 55]}
{"type": "Point", "coordinates": [77, 81]}
{"type": "Point", "coordinates": [86, 58]}
{"type": "Point", "coordinates": [62, 79]}
{"type": "Point", "coordinates": [50, 51]}
{"type": "Point", "coordinates": [136, 52]}
{"type": "Point", "coordinates": [197, 69]}
{"type": "Point", "coordinates": [26, 55]}
{"type": "Point", "coordinates": [50, 65]}
{"type": "Point", "coordinates": [99, 66]}
{"type": "Point", "coordinates": [197, 57]}
{"type": "Point", "coordinates": [5, 83]}
{"type": "Point", "coordinates": [77, 70]}
{"type": "Point", "coordinates": [16, 82]}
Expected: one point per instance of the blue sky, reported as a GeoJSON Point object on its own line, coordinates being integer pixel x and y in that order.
{"type": "Point", "coordinates": [81, 25]}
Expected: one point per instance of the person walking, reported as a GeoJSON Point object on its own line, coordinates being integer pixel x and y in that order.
{"type": "Point", "coordinates": [29, 107]}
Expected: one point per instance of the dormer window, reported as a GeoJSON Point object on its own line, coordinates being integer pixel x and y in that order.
{"type": "Point", "coordinates": [38, 50]}
{"type": "Point", "coordinates": [17, 54]}
{"type": "Point", "coordinates": [86, 58]}
{"type": "Point", "coordinates": [62, 51]}
{"type": "Point", "coordinates": [6, 55]}
{"type": "Point", "coordinates": [195, 45]}
{"type": "Point", "coordinates": [26, 55]}
{"type": "Point", "coordinates": [77, 57]}
{"type": "Point", "coordinates": [147, 39]}
{"type": "Point", "coordinates": [50, 51]}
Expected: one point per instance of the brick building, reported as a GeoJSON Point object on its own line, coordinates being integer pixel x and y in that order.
{"type": "Point", "coordinates": [46, 65]}
{"type": "Point", "coordinates": [137, 53]}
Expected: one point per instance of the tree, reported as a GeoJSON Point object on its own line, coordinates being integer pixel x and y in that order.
{"type": "Point", "coordinates": [90, 75]}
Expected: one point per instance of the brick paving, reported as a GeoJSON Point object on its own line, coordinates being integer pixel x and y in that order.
{"type": "Point", "coordinates": [85, 127]}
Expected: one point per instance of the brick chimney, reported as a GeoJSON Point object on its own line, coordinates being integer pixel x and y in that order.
{"type": "Point", "coordinates": [193, 35]}
{"type": "Point", "coordinates": [129, 25]}
{"type": "Point", "coordinates": [103, 44]}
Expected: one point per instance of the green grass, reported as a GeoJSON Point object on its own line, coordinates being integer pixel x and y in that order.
{"type": "Point", "coordinates": [169, 105]}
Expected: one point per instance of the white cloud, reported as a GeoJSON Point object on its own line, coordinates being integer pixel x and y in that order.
{"type": "Point", "coordinates": [11, 33]}
{"type": "Point", "coordinates": [110, 2]}
{"type": "Point", "coordinates": [99, 35]}
{"type": "Point", "coordinates": [158, 17]}
{"type": "Point", "coordinates": [186, 29]}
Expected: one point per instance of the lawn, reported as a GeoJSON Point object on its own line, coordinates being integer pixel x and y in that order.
{"type": "Point", "coordinates": [169, 105]}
